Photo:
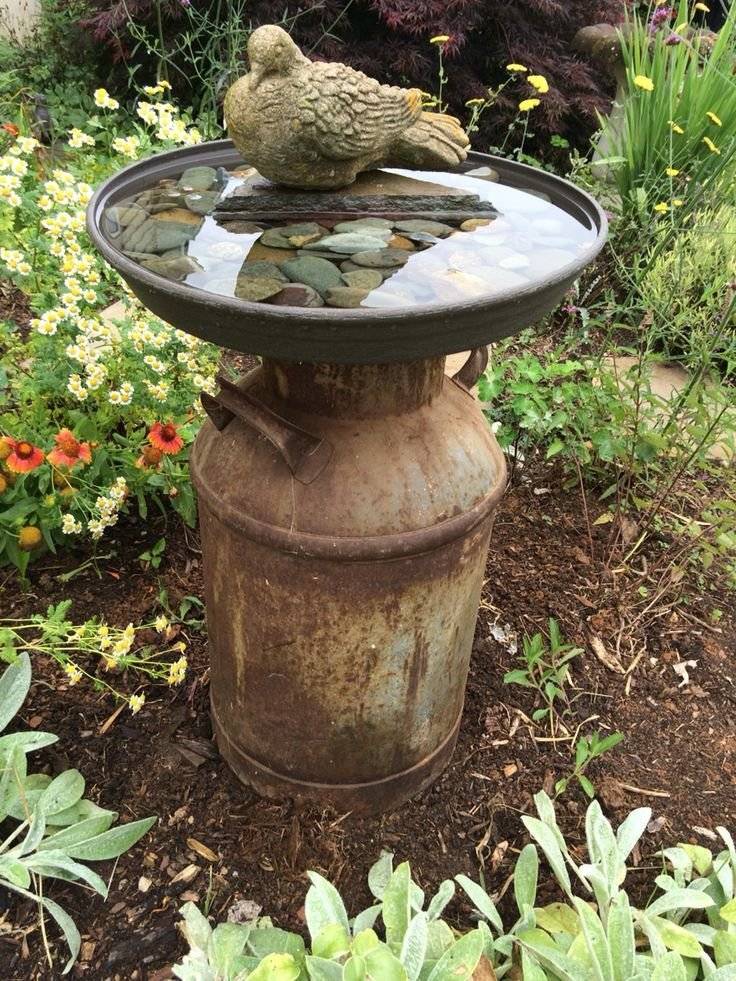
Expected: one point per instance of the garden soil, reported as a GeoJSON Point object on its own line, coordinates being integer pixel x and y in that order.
{"type": "Point", "coordinates": [657, 666]}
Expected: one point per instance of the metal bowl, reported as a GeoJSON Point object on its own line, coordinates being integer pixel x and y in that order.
{"type": "Point", "coordinates": [359, 336]}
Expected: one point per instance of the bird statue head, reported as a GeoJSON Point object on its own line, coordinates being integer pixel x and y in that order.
{"type": "Point", "coordinates": [271, 51]}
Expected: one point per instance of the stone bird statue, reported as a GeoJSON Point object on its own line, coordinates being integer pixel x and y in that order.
{"type": "Point", "coordinates": [309, 124]}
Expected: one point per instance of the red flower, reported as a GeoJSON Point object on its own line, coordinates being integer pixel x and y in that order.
{"type": "Point", "coordinates": [10, 128]}
{"type": "Point", "coordinates": [165, 437]}
{"type": "Point", "coordinates": [68, 451]}
{"type": "Point", "coordinates": [23, 456]}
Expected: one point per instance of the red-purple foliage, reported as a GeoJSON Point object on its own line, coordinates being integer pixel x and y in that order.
{"type": "Point", "coordinates": [389, 39]}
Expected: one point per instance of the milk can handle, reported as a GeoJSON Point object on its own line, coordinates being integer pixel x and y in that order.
{"type": "Point", "coordinates": [473, 368]}
{"type": "Point", "coordinates": [304, 454]}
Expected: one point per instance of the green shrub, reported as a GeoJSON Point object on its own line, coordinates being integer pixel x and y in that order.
{"type": "Point", "coordinates": [57, 829]}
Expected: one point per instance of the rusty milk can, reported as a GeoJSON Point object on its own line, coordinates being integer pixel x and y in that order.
{"type": "Point", "coordinates": [345, 514]}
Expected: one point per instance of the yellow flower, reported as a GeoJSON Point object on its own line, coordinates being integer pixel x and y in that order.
{"type": "Point", "coordinates": [539, 82]}
{"type": "Point", "coordinates": [704, 7]}
{"type": "Point", "coordinates": [677, 202]}
{"type": "Point", "coordinates": [161, 623]}
{"type": "Point", "coordinates": [711, 145]}
{"type": "Point", "coordinates": [136, 703]}
{"type": "Point", "coordinates": [177, 671]}
{"type": "Point", "coordinates": [104, 100]}
{"type": "Point", "coordinates": [528, 104]}
{"type": "Point", "coordinates": [713, 118]}
{"type": "Point", "coordinates": [672, 172]}
{"type": "Point", "coordinates": [475, 102]}
{"type": "Point", "coordinates": [439, 39]}
{"type": "Point", "coordinates": [644, 82]}
{"type": "Point", "coordinates": [515, 67]}
{"type": "Point", "coordinates": [72, 672]}
{"type": "Point", "coordinates": [681, 27]}
{"type": "Point", "coordinates": [661, 208]}
{"type": "Point", "coordinates": [675, 128]}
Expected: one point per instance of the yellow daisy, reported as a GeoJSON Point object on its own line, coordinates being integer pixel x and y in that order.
{"type": "Point", "coordinates": [527, 104]}
{"type": "Point", "coordinates": [644, 82]}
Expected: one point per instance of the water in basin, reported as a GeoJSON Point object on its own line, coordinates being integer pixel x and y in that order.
{"type": "Point", "coordinates": [189, 229]}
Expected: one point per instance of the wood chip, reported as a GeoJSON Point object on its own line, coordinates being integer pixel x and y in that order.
{"type": "Point", "coordinates": [607, 659]}
{"type": "Point", "coordinates": [642, 790]}
{"type": "Point", "coordinates": [87, 950]}
{"type": "Point", "coordinates": [188, 873]}
{"type": "Point", "coordinates": [510, 769]}
{"type": "Point", "coordinates": [202, 850]}
{"type": "Point", "coordinates": [188, 896]}
{"type": "Point", "coordinates": [110, 721]}
{"type": "Point", "coordinates": [144, 884]}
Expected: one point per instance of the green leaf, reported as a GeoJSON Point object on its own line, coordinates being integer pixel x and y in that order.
{"type": "Point", "coordinates": [728, 912]}
{"type": "Point", "coordinates": [460, 960]}
{"type": "Point", "coordinates": [28, 741]}
{"type": "Point", "coordinates": [382, 965]}
{"type": "Point", "coordinates": [525, 878]}
{"type": "Point", "coordinates": [558, 918]}
{"type": "Point", "coordinates": [63, 792]}
{"type": "Point", "coordinates": [555, 447]}
{"type": "Point", "coordinates": [196, 927]}
{"type": "Point", "coordinates": [365, 919]}
{"type": "Point", "coordinates": [76, 833]}
{"type": "Point", "coordinates": [323, 906]}
{"type": "Point", "coordinates": [354, 969]}
{"type": "Point", "coordinates": [56, 864]}
{"type": "Point", "coordinates": [550, 956]}
{"type": "Point", "coordinates": [675, 937]}
{"type": "Point", "coordinates": [68, 927]}
{"type": "Point", "coordinates": [669, 968]}
{"type": "Point", "coordinates": [679, 899]}
{"type": "Point", "coordinates": [596, 941]}
{"type": "Point", "coordinates": [414, 946]}
{"type": "Point", "coordinates": [439, 901]}
{"type": "Point", "coordinates": [396, 907]}
{"type": "Point", "coordinates": [631, 829]}
{"type": "Point", "coordinates": [587, 786]}
{"type": "Point", "coordinates": [227, 943]}
{"type": "Point", "coordinates": [111, 843]}
{"type": "Point", "coordinates": [13, 870]}
{"type": "Point", "coordinates": [621, 941]}
{"type": "Point", "coordinates": [276, 967]}
{"type": "Point", "coordinates": [271, 940]}
{"type": "Point", "coordinates": [702, 858]}
{"type": "Point", "coordinates": [332, 941]}
{"type": "Point", "coordinates": [546, 839]}
{"type": "Point", "coordinates": [15, 682]}
{"type": "Point", "coordinates": [320, 969]}
{"type": "Point", "coordinates": [380, 874]}
{"type": "Point", "coordinates": [724, 948]}
{"type": "Point", "coordinates": [481, 900]}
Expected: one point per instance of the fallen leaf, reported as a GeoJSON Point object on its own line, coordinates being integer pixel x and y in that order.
{"type": "Point", "coordinates": [244, 911]}
{"type": "Point", "coordinates": [498, 854]}
{"type": "Point", "coordinates": [202, 850]}
{"type": "Point", "coordinates": [604, 519]}
{"type": "Point", "coordinates": [607, 659]}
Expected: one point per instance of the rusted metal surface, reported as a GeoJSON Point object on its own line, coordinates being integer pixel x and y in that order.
{"type": "Point", "coordinates": [341, 611]}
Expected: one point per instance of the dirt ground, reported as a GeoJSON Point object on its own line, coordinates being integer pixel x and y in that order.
{"type": "Point", "coordinates": [216, 842]}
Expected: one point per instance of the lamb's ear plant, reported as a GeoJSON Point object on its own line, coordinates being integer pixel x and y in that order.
{"type": "Point", "coordinates": [57, 830]}
{"type": "Point", "coordinates": [599, 936]}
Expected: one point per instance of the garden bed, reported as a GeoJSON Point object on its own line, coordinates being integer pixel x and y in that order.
{"type": "Point", "coordinates": [216, 842]}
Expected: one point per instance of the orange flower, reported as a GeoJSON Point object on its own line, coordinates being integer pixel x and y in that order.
{"type": "Point", "coordinates": [23, 456]}
{"type": "Point", "coordinates": [68, 451]}
{"type": "Point", "coordinates": [29, 537]}
{"type": "Point", "coordinates": [165, 437]}
{"type": "Point", "coordinates": [5, 448]}
{"type": "Point", "coordinates": [10, 128]}
{"type": "Point", "coordinates": [150, 457]}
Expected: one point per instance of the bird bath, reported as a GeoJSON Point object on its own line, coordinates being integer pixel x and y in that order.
{"type": "Point", "coordinates": [346, 486]}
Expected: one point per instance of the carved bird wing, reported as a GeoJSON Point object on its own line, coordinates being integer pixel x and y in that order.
{"type": "Point", "coordinates": [347, 114]}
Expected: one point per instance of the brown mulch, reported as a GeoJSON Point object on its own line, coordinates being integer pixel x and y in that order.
{"type": "Point", "coordinates": [216, 842]}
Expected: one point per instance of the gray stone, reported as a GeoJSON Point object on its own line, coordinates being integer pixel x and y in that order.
{"type": "Point", "coordinates": [202, 202]}
{"type": "Point", "coordinates": [349, 243]}
{"type": "Point", "coordinates": [241, 227]}
{"type": "Point", "coordinates": [345, 296]}
{"type": "Point", "coordinates": [423, 238]}
{"type": "Point", "coordinates": [260, 269]}
{"type": "Point", "coordinates": [471, 224]}
{"type": "Point", "coordinates": [381, 259]}
{"type": "Point", "coordinates": [198, 178]}
{"type": "Point", "coordinates": [318, 273]}
{"type": "Point", "coordinates": [256, 290]}
{"type": "Point", "coordinates": [154, 235]}
{"type": "Point", "coordinates": [360, 224]}
{"type": "Point", "coordinates": [297, 295]}
{"type": "Point", "coordinates": [175, 267]}
{"type": "Point", "coordinates": [364, 279]}
{"type": "Point", "coordinates": [438, 228]}
{"type": "Point", "coordinates": [293, 236]}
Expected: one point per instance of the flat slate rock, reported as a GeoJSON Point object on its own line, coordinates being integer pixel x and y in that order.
{"type": "Point", "coordinates": [364, 279]}
{"type": "Point", "coordinates": [198, 178]}
{"type": "Point", "coordinates": [438, 228]}
{"type": "Point", "coordinates": [348, 243]}
{"type": "Point", "coordinates": [176, 268]}
{"type": "Point", "coordinates": [359, 224]}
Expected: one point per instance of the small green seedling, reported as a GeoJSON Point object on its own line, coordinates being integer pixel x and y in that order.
{"type": "Point", "coordinates": [587, 749]}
